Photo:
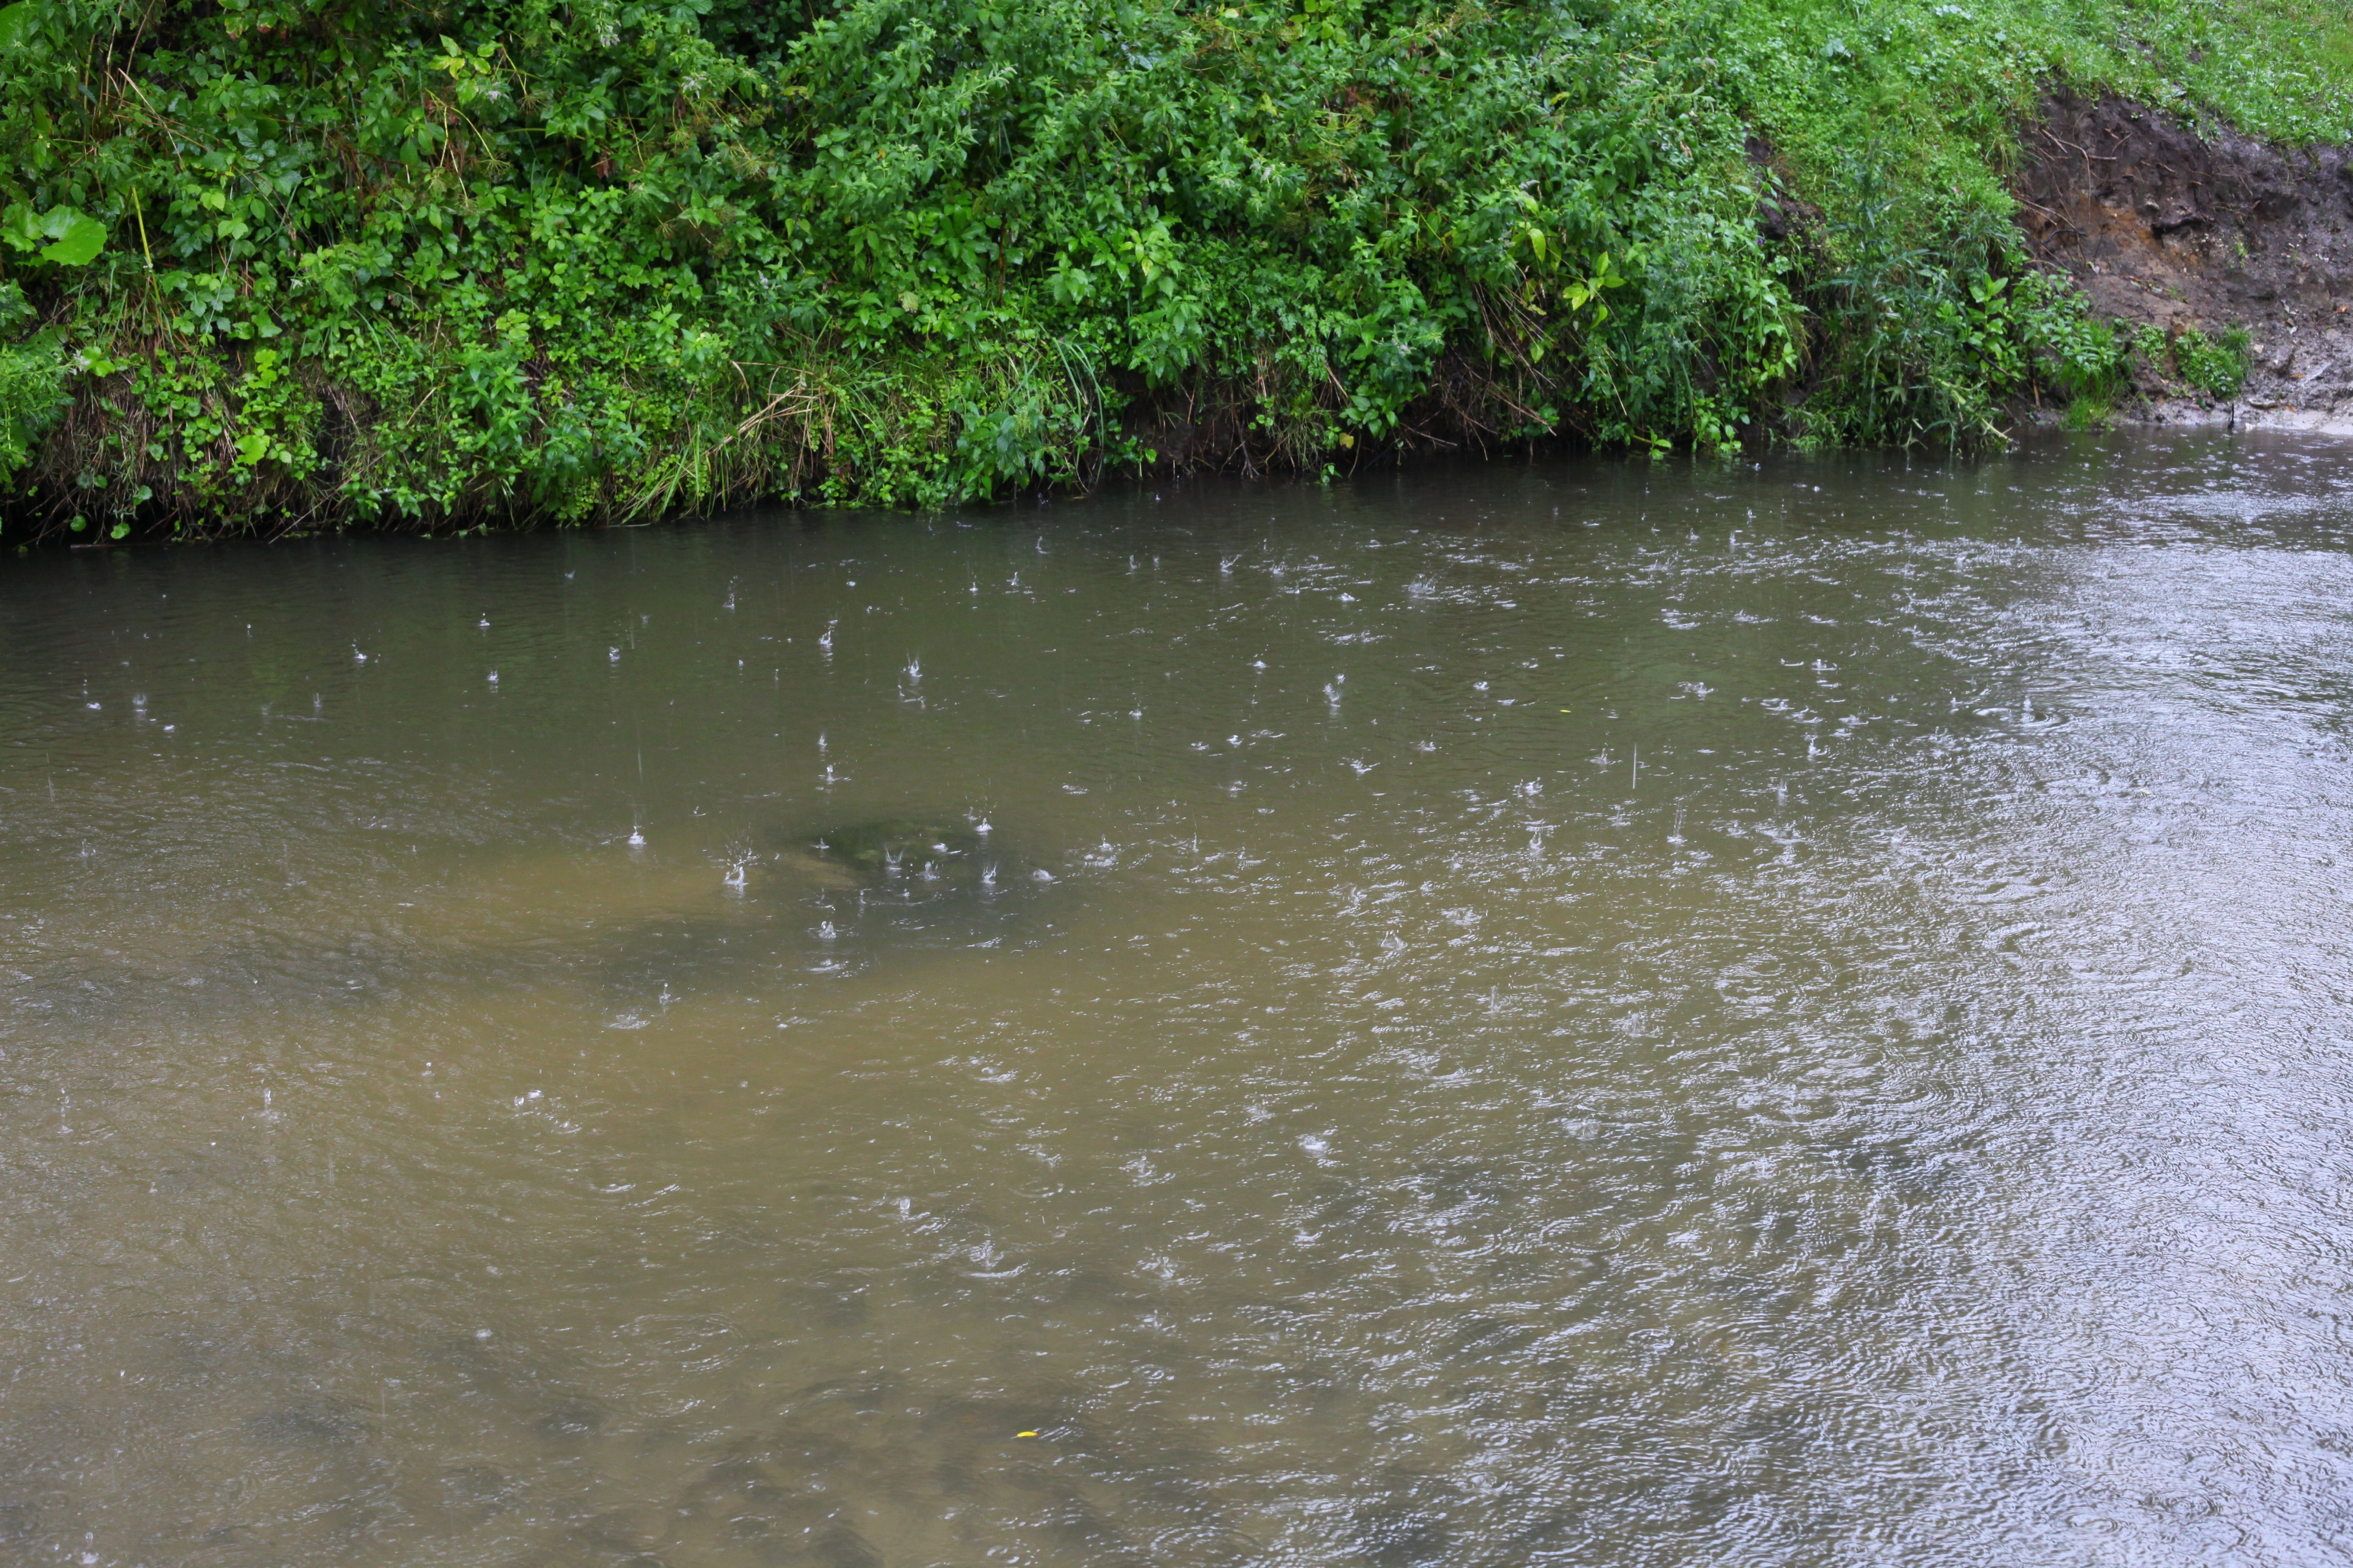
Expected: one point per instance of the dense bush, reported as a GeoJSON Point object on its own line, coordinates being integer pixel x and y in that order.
{"type": "Point", "coordinates": [270, 263]}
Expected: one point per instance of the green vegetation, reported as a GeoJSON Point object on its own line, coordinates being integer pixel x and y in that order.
{"type": "Point", "coordinates": [2218, 369]}
{"type": "Point", "coordinates": [281, 263]}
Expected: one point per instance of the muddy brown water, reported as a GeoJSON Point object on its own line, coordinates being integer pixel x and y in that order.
{"type": "Point", "coordinates": [1554, 1014]}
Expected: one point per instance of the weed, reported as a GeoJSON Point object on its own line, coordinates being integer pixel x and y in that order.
{"type": "Point", "coordinates": [2218, 368]}
{"type": "Point", "coordinates": [270, 264]}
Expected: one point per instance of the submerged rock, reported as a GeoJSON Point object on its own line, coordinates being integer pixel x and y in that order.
{"type": "Point", "coordinates": [905, 862]}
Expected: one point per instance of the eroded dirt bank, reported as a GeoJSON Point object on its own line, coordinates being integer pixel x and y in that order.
{"type": "Point", "coordinates": [2166, 226]}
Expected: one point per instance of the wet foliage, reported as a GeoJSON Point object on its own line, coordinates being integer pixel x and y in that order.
{"type": "Point", "coordinates": [279, 264]}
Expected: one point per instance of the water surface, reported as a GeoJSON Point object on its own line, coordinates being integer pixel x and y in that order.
{"type": "Point", "coordinates": [1576, 1013]}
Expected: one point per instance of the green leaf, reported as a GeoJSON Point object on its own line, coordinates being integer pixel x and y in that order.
{"type": "Point", "coordinates": [19, 227]}
{"type": "Point", "coordinates": [20, 25]}
{"type": "Point", "coordinates": [78, 237]}
{"type": "Point", "coordinates": [251, 446]}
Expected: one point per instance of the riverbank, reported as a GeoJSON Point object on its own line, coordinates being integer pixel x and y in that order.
{"type": "Point", "coordinates": [294, 266]}
{"type": "Point", "coordinates": [2169, 228]}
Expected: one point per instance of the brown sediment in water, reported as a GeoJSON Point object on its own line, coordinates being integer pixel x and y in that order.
{"type": "Point", "coordinates": [2180, 225]}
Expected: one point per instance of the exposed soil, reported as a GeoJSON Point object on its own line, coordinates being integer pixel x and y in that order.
{"type": "Point", "coordinates": [2165, 222]}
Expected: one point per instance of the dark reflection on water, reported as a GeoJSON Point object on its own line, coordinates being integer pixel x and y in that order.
{"type": "Point", "coordinates": [1572, 1013]}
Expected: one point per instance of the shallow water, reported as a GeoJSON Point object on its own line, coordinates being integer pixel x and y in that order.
{"type": "Point", "coordinates": [1574, 1012]}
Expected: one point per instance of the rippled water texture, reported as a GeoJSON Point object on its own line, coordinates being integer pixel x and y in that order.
{"type": "Point", "coordinates": [1521, 1015]}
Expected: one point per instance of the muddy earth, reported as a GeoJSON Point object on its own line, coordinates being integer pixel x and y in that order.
{"type": "Point", "coordinates": [2178, 224]}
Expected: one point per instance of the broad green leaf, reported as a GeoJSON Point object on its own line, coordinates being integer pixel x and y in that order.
{"type": "Point", "coordinates": [20, 24]}
{"type": "Point", "coordinates": [19, 227]}
{"type": "Point", "coordinates": [78, 237]}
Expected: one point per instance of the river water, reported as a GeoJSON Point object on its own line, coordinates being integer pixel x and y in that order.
{"type": "Point", "coordinates": [1534, 1014]}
